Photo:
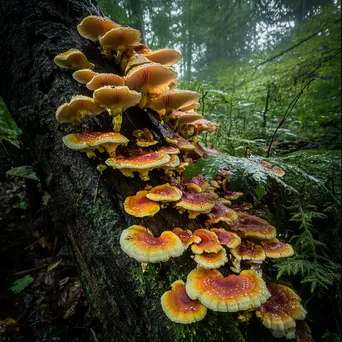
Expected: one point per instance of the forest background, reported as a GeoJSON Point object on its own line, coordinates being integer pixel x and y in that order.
{"type": "Point", "coordinates": [269, 72]}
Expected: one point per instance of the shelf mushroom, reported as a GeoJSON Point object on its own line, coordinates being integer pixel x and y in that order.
{"type": "Point", "coordinates": [116, 100]}
{"type": "Point", "coordinates": [220, 212]}
{"type": "Point", "coordinates": [253, 226]}
{"type": "Point", "coordinates": [178, 118]}
{"type": "Point", "coordinates": [164, 193]}
{"type": "Point", "coordinates": [277, 249]}
{"type": "Point", "coordinates": [89, 141]}
{"type": "Point", "coordinates": [104, 79]}
{"type": "Point", "coordinates": [142, 164]}
{"type": "Point", "coordinates": [226, 238]}
{"type": "Point", "coordinates": [211, 260]}
{"type": "Point", "coordinates": [73, 59]}
{"type": "Point", "coordinates": [144, 137]}
{"type": "Point", "coordinates": [120, 39]}
{"type": "Point", "coordinates": [186, 236]}
{"type": "Point", "coordinates": [196, 127]}
{"type": "Point", "coordinates": [209, 242]}
{"type": "Point", "coordinates": [139, 243]}
{"type": "Point", "coordinates": [150, 79]}
{"type": "Point", "coordinates": [79, 107]}
{"type": "Point", "coordinates": [139, 205]}
{"type": "Point", "coordinates": [166, 57]}
{"type": "Point", "coordinates": [230, 294]}
{"type": "Point", "coordinates": [179, 307]}
{"type": "Point", "coordinates": [93, 27]}
{"type": "Point", "coordinates": [272, 169]}
{"type": "Point", "coordinates": [280, 312]}
{"type": "Point", "coordinates": [83, 76]}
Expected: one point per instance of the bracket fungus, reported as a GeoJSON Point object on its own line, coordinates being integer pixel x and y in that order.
{"type": "Point", "coordinates": [179, 307]}
{"type": "Point", "coordinates": [93, 27]}
{"type": "Point", "coordinates": [89, 141]}
{"type": "Point", "coordinates": [144, 137]}
{"type": "Point", "coordinates": [164, 193]}
{"type": "Point", "coordinates": [166, 57]}
{"type": "Point", "coordinates": [253, 226]}
{"type": "Point", "coordinates": [272, 169]}
{"type": "Point", "coordinates": [78, 107]}
{"type": "Point", "coordinates": [104, 79]}
{"type": "Point", "coordinates": [277, 249]}
{"type": "Point", "coordinates": [142, 164]}
{"type": "Point", "coordinates": [120, 39]}
{"type": "Point", "coordinates": [209, 242]}
{"type": "Point", "coordinates": [73, 59]}
{"type": "Point", "coordinates": [150, 79]}
{"type": "Point", "coordinates": [230, 294]}
{"type": "Point", "coordinates": [83, 76]}
{"type": "Point", "coordinates": [186, 236]}
{"type": "Point", "coordinates": [220, 212]}
{"type": "Point", "coordinates": [281, 311]}
{"type": "Point", "coordinates": [211, 260]}
{"type": "Point", "coordinates": [116, 100]}
{"type": "Point", "coordinates": [229, 239]}
{"type": "Point", "coordinates": [196, 127]}
{"type": "Point", "coordinates": [139, 205]}
{"type": "Point", "coordinates": [139, 243]}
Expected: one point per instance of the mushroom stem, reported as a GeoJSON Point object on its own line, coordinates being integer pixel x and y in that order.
{"type": "Point", "coordinates": [143, 101]}
{"type": "Point", "coordinates": [116, 113]}
{"type": "Point", "coordinates": [118, 55]}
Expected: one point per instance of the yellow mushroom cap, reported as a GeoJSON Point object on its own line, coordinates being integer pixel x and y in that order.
{"type": "Point", "coordinates": [83, 76]}
{"type": "Point", "coordinates": [248, 250]}
{"type": "Point", "coordinates": [209, 242]}
{"type": "Point", "coordinates": [164, 193]}
{"type": "Point", "coordinates": [120, 37]}
{"type": "Point", "coordinates": [73, 59]}
{"type": "Point", "coordinates": [93, 27]}
{"type": "Point", "coordinates": [226, 238]}
{"type": "Point", "coordinates": [139, 243]}
{"type": "Point", "coordinates": [140, 206]}
{"type": "Point", "coordinates": [281, 310]}
{"type": "Point", "coordinates": [233, 293]}
{"type": "Point", "coordinates": [101, 80]}
{"type": "Point", "coordinates": [144, 161]}
{"type": "Point", "coordinates": [116, 97]}
{"type": "Point", "coordinates": [173, 162]}
{"type": "Point", "coordinates": [186, 236]}
{"type": "Point", "coordinates": [197, 201]}
{"type": "Point", "coordinates": [146, 77]}
{"type": "Point", "coordinates": [212, 260]}
{"type": "Point", "coordinates": [136, 60]}
{"type": "Point", "coordinates": [169, 150]}
{"type": "Point", "coordinates": [175, 99]}
{"type": "Point", "coordinates": [77, 108]}
{"type": "Point", "coordinates": [179, 118]}
{"type": "Point", "coordinates": [276, 249]}
{"type": "Point", "coordinates": [198, 126]}
{"type": "Point", "coordinates": [253, 226]}
{"type": "Point", "coordinates": [232, 195]}
{"type": "Point", "coordinates": [167, 57]}
{"type": "Point", "coordinates": [79, 141]}
{"type": "Point", "coordinates": [179, 307]}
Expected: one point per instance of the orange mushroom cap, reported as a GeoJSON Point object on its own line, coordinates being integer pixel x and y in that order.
{"type": "Point", "coordinates": [139, 205]}
{"type": "Point", "coordinates": [281, 310]}
{"type": "Point", "coordinates": [143, 163]}
{"type": "Point", "coordinates": [248, 250]}
{"type": "Point", "coordinates": [139, 243]}
{"type": "Point", "coordinates": [85, 140]}
{"type": "Point", "coordinates": [212, 260]}
{"type": "Point", "coordinates": [83, 76]}
{"type": "Point", "coordinates": [169, 150]}
{"type": "Point", "coordinates": [242, 207]}
{"type": "Point", "coordinates": [78, 107]}
{"type": "Point", "coordinates": [167, 57]}
{"type": "Point", "coordinates": [101, 80]}
{"type": "Point", "coordinates": [183, 144]}
{"type": "Point", "coordinates": [178, 118]}
{"type": "Point", "coordinates": [229, 239]}
{"type": "Point", "coordinates": [186, 236]}
{"type": "Point", "coordinates": [253, 226]}
{"type": "Point", "coordinates": [201, 202]}
{"type": "Point", "coordinates": [174, 99]}
{"type": "Point", "coordinates": [198, 126]}
{"type": "Point", "coordinates": [272, 169]}
{"type": "Point", "coordinates": [73, 59]}
{"type": "Point", "coordinates": [233, 293]}
{"type": "Point", "coordinates": [179, 307]}
{"type": "Point", "coordinates": [232, 195]}
{"type": "Point", "coordinates": [220, 212]}
{"type": "Point", "coordinates": [276, 249]}
{"type": "Point", "coordinates": [196, 184]}
{"type": "Point", "coordinates": [136, 60]}
{"type": "Point", "coordinates": [164, 193]}
{"type": "Point", "coordinates": [209, 242]}
{"type": "Point", "coordinates": [93, 27]}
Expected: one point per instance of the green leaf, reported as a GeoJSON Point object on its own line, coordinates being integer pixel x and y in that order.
{"type": "Point", "coordinates": [9, 131]}
{"type": "Point", "coordinates": [24, 172]}
{"type": "Point", "coordinates": [20, 284]}
{"type": "Point", "coordinates": [260, 191]}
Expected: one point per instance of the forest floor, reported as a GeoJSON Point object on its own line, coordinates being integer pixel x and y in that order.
{"type": "Point", "coordinates": [41, 297]}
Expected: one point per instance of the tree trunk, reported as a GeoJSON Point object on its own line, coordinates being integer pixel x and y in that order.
{"type": "Point", "coordinates": [125, 299]}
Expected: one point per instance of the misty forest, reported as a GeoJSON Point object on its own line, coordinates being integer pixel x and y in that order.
{"type": "Point", "coordinates": [170, 170]}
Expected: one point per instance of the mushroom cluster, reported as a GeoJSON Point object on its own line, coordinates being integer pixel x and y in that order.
{"type": "Point", "coordinates": [230, 237]}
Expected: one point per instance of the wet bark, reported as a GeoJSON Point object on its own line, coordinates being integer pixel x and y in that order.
{"type": "Point", "coordinates": [86, 207]}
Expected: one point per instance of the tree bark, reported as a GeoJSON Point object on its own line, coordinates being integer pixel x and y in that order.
{"type": "Point", "coordinates": [125, 299]}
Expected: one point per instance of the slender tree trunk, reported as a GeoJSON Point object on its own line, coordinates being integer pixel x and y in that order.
{"type": "Point", "coordinates": [125, 299]}
{"type": "Point", "coordinates": [264, 114]}
{"type": "Point", "coordinates": [137, 13]}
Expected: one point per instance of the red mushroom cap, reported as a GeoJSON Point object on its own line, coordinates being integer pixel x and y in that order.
{"type": "Point", "coordinates": [221, 213]}
{"type": "Point", "coordinates": [164, 193]}
{"type": "Point", "coordinates": [186, 236]}
{"type": "Point", "coordinates": [230, 294]}
{"type": "Point", "coordinates": [276, 249]}
{"type": "Point", "coordinates": [179, 307]}
{"type": "Point", "coordinates": [248, 250]}
{"type": "Point", "coordinates": [209, 242]}
{"type": "Point", "coordinates": [140, 206]}
{"type": "Point", "coordinates": [229, 239]}
{"type": "Point", "coordinates": [272, 169]}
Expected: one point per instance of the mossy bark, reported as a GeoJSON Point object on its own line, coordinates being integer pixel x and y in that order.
{"type": "Point", "coordinates": [87, 207]}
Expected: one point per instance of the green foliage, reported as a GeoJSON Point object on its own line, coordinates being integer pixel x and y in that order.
{"type": "Point", "coordinates": [25, 171]}
{"type": "Point", "coordinates": [9, 131]}
{"type": "Point", "coordinates": [21, 284]}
